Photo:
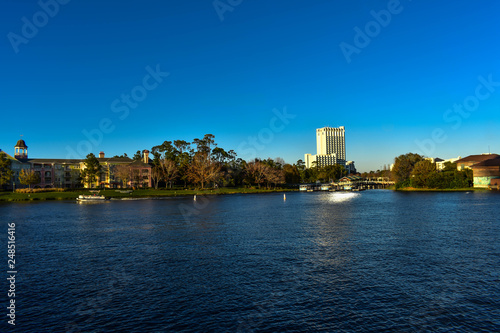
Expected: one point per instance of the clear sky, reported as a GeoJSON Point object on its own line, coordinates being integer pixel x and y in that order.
{"type": "Point", "coordinates": [409, 76]}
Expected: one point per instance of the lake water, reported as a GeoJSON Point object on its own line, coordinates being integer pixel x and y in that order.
{"type": "Point", "coordinates": [332, 262]}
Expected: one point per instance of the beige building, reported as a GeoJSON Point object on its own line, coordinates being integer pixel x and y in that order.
{"type": "Point", "coordinates": [331, 140]}
{"type": "Point", "coordinates": [65, 173]}
{"type": "Point", "coordinates": [440, 163]}
{"type": "Point", "coordinates": [330, 148]}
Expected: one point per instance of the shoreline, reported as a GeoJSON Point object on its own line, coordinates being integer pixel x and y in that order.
{"type": "Point", "coordinates": [467, 189]}
{"type": "Point", "coordinates": [113, 194]}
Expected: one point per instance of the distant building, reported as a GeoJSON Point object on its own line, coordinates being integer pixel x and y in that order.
{"type": "Point", "coordinates": [440, 163]}
{"type": "Point", "coordinates": [487, 173]}
{"type": "Point", "coordinates": [65, 173]}
{"type": "Point", "coordinates": [330, 148]}
{"type": "Point", "coordinates": [350, 168]}
{"type": "Point", "coordinates": [331, 140]}
{"type": "Point", "coordinates": [470, 160]}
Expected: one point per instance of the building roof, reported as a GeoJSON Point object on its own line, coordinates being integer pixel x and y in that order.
{"type": "Point", "coordinates": [476, 158]}
{"type": "Point", "coordinates": [138, 163]}
{"type": "Point", "coordinates": [350, 178]}
{"type": "Point", "coordinates": [491, 162]}
{"type": "Point", "coordinates": [114, 160]}
{"type": "Point", "coordinates": [9, 157]}
{"type": "Point", "coordinates": [53, 160]}
{"type": "Point", "coordinates": [76, 161]}
{"type": "Point", "coordinates": [21, 144]}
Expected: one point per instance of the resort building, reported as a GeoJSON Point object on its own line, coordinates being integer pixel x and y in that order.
{"type": "Point", "coordinates": [65, 173]}
{"type": "Point", "coordinates": [440, 163]}
{"type": "Point", "coordinates": [469, 161]}
{"type": "Point", "coordinates": [330, 148]}
{"type": "Point", "coordinates": [487, 173]}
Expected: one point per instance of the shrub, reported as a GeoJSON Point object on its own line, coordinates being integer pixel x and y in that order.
{"type": "Point", "coordinates": [39, 190]}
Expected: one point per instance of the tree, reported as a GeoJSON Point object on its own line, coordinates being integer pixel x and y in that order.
{"type": "Point", "coordinates": [137, 156]}
{"type": "Point", "coordinates": [166, 150]}
{"type": "Point", "coordinates": [168, 171]}
{"type": "Point", "coordinates": [256, 172]}
{"type": "Point", "coordinates": [136, 176]}
{"type": "Point", "coordinates": [449, 166]}
{"type": "Point", "coordinates": [274, 176]}
{"type": "Point", "coordinates": [156, 175]}
{"type": "Point", "coordinates": [123, 172]}
{"type": "Point", "coordinates": [5, 172]}
{"type": "Point", "coordinates": [292, 174]}
{"type": "Point", "coordinates": [29, 177]}
{"type": "Point", "coordinates": [219, 155]}
{"type": "Point", "coordinates": [331, 172]}
{"type": "Point", "coordinates": [422, 173]}
{"type": "Point", "coordinates": [204, 145]}
{"type": "Point", "coordinates": [181, 146]}
{"type": "Point", "coordinates": [403, 166]}
{"type": "Point", "coordinates": [91, 170]}
{"type": "Point", "coordinates": [203, 170]}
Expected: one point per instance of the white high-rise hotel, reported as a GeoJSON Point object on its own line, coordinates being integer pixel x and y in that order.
{"type": "Point", "coordinates": [330, 143]}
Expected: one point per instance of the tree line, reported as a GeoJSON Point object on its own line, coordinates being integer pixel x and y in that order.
{"type": "Point", "coordinates": [201, 164]}
{"type": "Point", "coordinates": [413, 170]}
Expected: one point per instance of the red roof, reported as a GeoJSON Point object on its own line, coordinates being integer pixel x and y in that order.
{"type": "Point", "coordinates": [491, 162]}
{"type": "Point", "coordinates": [477, 158]}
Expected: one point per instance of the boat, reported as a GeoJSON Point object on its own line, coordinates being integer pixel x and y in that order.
{"type": "Point", "coordinates": [91, 197]}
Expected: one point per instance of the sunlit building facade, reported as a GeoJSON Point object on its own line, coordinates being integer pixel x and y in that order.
{"type": "Point", "coordinates": [330, 148]}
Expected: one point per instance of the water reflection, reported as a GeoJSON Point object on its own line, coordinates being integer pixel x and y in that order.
{"type": "Point", "coordinates": [338, 197]}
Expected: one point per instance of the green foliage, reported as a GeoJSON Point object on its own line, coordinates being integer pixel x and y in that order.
{"type": "Point", "coordinates": [29, 177]}
{"type": "Point", "coordinates": [451, 179]}
{"type": "Point", "coordinates": [292, 174]}
{"type": "Point", "coordinates": [91, 170]}
{"type": "Point", "coordinates": [137, 156]}
{"type": "Point", "coordinates": [324, 174]}
{"type": "Point", "coordinates": [449, 166]}
{"type": "Point", "coordinates": [5, 172]}
{"type": "Point", "coordinates": [202, 163]}
{"type": "Point", "coordinates": [403, 166]}
{"type": "Point", "coordinates": [422, 172]}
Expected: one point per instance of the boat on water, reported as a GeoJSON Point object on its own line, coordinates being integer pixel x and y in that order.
{"type": "Point", "coordinates": [91, 198]}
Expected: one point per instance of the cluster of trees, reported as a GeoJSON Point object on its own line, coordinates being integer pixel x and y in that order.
{"type": "Point", "coordinates": [413, 170]}
{"type": "Point", "coordinates": [5, 171]}
{"type": "Point", "coordinates": [202, 163]}
{"type": "Point", "coordinates": [327, 173]}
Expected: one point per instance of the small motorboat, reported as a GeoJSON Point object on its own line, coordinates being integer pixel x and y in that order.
{"type": "Point", "coordinates": [91, 197]}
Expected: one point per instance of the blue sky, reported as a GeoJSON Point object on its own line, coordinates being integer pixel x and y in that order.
{"type": "Point", "coordinates": [390, 72]}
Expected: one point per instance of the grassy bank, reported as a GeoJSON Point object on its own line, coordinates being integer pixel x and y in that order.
{"type": "Point", "coordinates": [414, 189]}
{"type": "Point", "coordinates": [141, 193]}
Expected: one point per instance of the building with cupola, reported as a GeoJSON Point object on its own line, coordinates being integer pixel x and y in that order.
{"type": "Point", "coordinates": [65, 173]}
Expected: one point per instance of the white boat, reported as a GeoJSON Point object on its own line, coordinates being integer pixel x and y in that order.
{"type": "Point", "coordinates": [91, 198]}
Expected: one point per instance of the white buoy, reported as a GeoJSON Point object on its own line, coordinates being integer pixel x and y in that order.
{"type": "Point", "coordinates": [284, 197]}
{"type": "Point", "coordinates": [194, 197]}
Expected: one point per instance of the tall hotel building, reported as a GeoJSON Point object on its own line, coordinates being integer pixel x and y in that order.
{"type": "Point", "coordinates": [330, 143]}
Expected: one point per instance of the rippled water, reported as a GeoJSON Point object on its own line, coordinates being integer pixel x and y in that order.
{"type": "Point", "coordinates": [333, 262]}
